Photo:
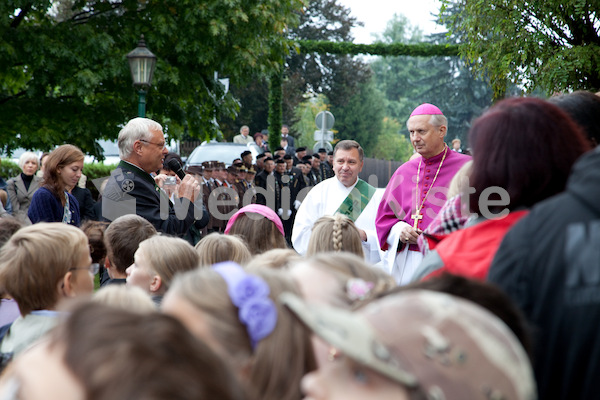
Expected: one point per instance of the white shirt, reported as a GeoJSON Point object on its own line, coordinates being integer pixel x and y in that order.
{"type": "Point", "coordinates": [325, 199]}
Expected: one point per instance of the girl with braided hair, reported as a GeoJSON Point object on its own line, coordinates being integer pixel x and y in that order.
{"type": "Point", "coordinates": [335, 233]}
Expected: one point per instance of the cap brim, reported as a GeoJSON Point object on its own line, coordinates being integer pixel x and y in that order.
{"type": "Point", "coordinates": [350, 333]}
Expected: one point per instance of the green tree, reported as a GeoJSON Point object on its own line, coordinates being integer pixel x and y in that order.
{"type": "Point", "coordinates": [338, 77]}
{"type": "Point", "coordinates": [551, 44]}
{"type": "Point", "coordinates": [64, 77]}
{"type": "Point", "coordinates": [361, 118]}
{"type": "Point", "coordinates": [399, 78]}
{"type": "Point", "coordinates": [392, 144]}
{"type": "Point", "coordinates": [305, 114]}
{"type": "Point", "coordinates": [447, 82]}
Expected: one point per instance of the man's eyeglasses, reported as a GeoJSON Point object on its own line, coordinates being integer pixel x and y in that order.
{"type": "Point", "coordinates": [93, 268]}
{"type": "Point", "coordinates": [160, 145]}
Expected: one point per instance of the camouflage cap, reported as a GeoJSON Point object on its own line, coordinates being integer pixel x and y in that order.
{"type": "Point", "coordinates": [445, 346]}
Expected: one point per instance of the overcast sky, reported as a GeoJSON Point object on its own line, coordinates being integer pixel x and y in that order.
{"type": "Point", "coordinates": [376, 13]}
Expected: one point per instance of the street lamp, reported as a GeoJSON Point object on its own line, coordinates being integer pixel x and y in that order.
{"type": "Point", "coordinates": [141, 63]}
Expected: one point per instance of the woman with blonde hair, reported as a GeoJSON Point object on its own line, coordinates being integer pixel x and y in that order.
{"type": "Point", "coordinates": [52, 202]}
{"type": "Point", "coordinates": [157, 260]}
{"type": "Point", "coordinates": [22, 187]}
{"type": "Point", "coordinates": [215, 248]}
{"type": "Point", "coordinates": [335, 233]}
{"type": "Point", "coordinates": [236, 312]}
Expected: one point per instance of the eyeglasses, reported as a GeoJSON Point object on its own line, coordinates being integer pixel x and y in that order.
{"type": "Point", "coordinates": [160, 145]}
{"type": "Point", "coordinates": [92, 268]}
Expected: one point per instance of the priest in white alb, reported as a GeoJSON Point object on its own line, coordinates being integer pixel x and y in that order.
{"type": "Point", "coordinates": [345, 193]}
{"type": "Point", "coordinates": [416, 192]}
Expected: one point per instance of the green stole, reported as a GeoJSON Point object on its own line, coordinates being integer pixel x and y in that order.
{"type": "Point", "coordinates": [351, 206]}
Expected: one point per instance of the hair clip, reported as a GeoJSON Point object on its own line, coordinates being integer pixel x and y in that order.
{"type": "Point", "coordinates": [250, 294]}
{"type": "Point", "coordinates": [358, 289]}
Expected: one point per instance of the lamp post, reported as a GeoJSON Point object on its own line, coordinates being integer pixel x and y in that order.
{"type": "Point", "coordinates": [141, 64]}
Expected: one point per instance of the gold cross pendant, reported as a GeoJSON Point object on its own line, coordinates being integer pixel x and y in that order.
{"type": "Point", "coordinates": [417, 216]}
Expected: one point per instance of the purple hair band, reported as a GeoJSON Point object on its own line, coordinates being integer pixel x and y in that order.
{"type": "Point", "coordinates": [250, 294]}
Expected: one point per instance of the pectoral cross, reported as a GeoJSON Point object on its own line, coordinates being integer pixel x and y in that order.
{"type": "Point", "coordinates": [417, 216]}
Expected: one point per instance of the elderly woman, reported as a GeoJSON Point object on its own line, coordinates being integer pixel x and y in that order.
{"type": "Point", "coordinates": [21, 188]}
{"type": "Point", "coordinates": [523, 151]}
{"type": "Point", "coordinates": [53, 202]}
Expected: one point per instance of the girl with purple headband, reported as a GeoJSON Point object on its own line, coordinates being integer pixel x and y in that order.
{"type": "Point", "coordinates": [236, 312]}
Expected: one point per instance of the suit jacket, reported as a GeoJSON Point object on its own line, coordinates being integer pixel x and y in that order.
{"type": "Point", "coordinates": [290, 140]}
{"type": "Point", "coordinates": [20, 198]}
{"type": "Point", "coordinates": [131, 190]}
{"type": "Point", "coordinates": [297, 183]}
{"type": "Point", "coordinates": [243, 140]}
{"type": "Point", "coordinates": [326, 171]}
{"type": "Point", "coordinates": [262, 181]}
{"type": "Point", "coordinates": [86, 203]}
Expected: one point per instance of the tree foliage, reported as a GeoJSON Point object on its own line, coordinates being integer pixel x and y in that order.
{"type": "Point", "coordinates": [64, 76]}
{"type": "Point", "coordinates": [304, 115]}
{"type": "Point", "coordinates": [361, 118]}
{"type": "Point", "coordinates": [380, 49]}
{"type": "Point", "coordinates": [551, 44]}
{"type": "Point", "coordinates": [336, 76]}
{"type": "Point", "coordinates": [305, 72]}
{"type": "Point", "coordinates": [399, 77]}
{"type": "Point", "coordinates": [444, 81]}
{"type": "Point", "coordinates": [392, 144]}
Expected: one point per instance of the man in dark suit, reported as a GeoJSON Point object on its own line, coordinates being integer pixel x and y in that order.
{"type": "Point", "coordinates": [132, 189]}
{"type": "Point", "coordinates": [325, 169]}
{"type": "Point", "coordinates": [262, 181]}
{"type": "Point", "coordinates": [285, 130]}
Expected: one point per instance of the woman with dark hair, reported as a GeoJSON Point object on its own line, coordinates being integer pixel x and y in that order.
{"type": "Point", "coordinates": [584, 108]}
{"type": "Point", "coordinates": [52, 202]}
{"type": "Point", "coordinates": [523, 151]}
